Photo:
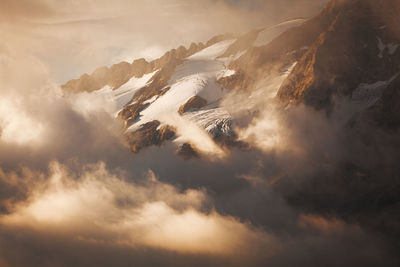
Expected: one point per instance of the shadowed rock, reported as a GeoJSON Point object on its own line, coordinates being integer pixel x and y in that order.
{"type": "Point", "coordinates": [195, 102]}
{"type": "Point", "coordinates": [149, 134]}
{"type": "Point", "coordinates": [188, 152]}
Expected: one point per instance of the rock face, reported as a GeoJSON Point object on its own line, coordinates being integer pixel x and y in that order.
{"type": "Point", "coordinates": [352, 50]}
{"type": "Point", "coordinates": [242, 43]}
{"type": "Point", "coordinates": [284, 50]}
{"type": "Point", "coordinates": [184, 93]}
{"type": "Point", "coordinates": [159, 81]}
{"type": "Point", "coordinates": [353, 57]}
{"type": "Point", "coordinates": [149, 134]}
{"type": "Point", "coordinates": [188, 152]}
{"type": "Point", "coordinates": [350, 42]}
{"type": "Point", "coordinates": [196, 102]}
{"type": "Point", "coordinates": [349, 52]}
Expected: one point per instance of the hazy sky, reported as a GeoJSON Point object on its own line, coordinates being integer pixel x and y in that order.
{"type": "Point", "coordinates": [72, 37]}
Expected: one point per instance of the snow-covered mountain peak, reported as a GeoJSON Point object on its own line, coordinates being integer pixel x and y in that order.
{"type": "Point", "coordinates": [196, 76]}
{"type": "Point", "coordinates": [182, 96]}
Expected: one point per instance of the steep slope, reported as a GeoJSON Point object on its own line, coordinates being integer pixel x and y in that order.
{"type": "Point", "coordinates": [195, 76]}
{"type": "Point", "coordinates": [282, 51]}
{"type": "Point", "coordinates": [178, 92]}
{"type": "Point", "coordinates": [350, 71]}
{"type": "Point", "coordinates": [357, 48]}
{"type": "Point", "coordinates": [350, 50]}
{"type": "Point", "coordinates": [348, 54]}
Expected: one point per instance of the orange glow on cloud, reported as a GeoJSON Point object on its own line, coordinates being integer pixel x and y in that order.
{"type": "Point", "coordinates": [157, 216]}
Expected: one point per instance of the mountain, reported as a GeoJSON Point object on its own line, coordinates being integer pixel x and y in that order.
{"type": "Point", "coordinates": [348, 58]}
{"type": "Point", "coordinates": [348, 44]}
{"type": "Point", "coordinates": [343, 63]}
{"type": "Point", "coordinates": [182, 91]}
{"type": "Point", "coordinates": [119, 74]}
{"type": "Point", "coordinates": [348, 51]}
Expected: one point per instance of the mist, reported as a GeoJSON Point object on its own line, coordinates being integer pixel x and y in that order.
{"type": "Point", "coordinates": [76, 37]}
{"type": "Point", "coordinates": [71, 192]}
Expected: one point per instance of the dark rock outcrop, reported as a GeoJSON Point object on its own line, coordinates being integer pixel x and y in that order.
{"type": "Point", "coordinates": [157, 87]}
{"type": "Point", "coordinates": [131, 112]}
{"type": "Point", "coordinates": [149, 134]}
{"type": "Point", "coordinates": [195, 102]}
{"type": "Point", "coordinates": [345, 54]}
{"type": "Point", "coordinates": [284, 50]}
{"type": "Point", "coordinates": [187, 151]}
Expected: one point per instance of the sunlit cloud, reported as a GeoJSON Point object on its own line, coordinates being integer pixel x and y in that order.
{"type": "Point", "coordinates": [99, 205]}
{"type": "Point", "coordinates": [224, 206]}
{"type": "Point", "coordinates": [16, 125]}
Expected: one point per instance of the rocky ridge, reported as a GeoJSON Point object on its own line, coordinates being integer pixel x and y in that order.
{"type": "Point", "coordinates": [119, 74]}
{"type": "Point", "coordinates": [350, 50]}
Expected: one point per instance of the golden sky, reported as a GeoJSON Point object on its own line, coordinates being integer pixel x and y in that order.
{"type": "Point", "coordinates": [71, 192]}
{"type": "Point", "coordinates": [76, 36]}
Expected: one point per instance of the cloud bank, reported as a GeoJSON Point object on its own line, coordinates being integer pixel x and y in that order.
{"type": "Point", "coordinates": [72, 194]}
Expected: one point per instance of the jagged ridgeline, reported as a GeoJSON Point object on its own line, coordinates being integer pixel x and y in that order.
{"type": "Point", "coordinates": [348, 51]}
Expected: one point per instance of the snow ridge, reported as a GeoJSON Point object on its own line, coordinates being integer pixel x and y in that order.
{"type": "Point", "coordinates": [196, 76]}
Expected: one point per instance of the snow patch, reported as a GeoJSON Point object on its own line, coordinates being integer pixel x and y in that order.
{"type": "Point", "coordinates": [151, 100]}
{"type": "Point", "coordinates": [123, 95]}
{"type": "Point", "coordinates": [268, 88]}
{"type": "Point", "coordinates": [212, 52]}
{"type": "Point", "coordinates": [216, 121]}
{"type": "Point", "coordinates": [391, 48]}
{"type": "Point", "coordinates": [196, 76]}
{"type": "Point", "coordinates": [381, 47]}
{"type": "Point", "coordinates": [107, 99]}
{"type": "Point", "coordinates": [226, 73]}
{"type": "Point", "coordinates": [266, 130]}
{"type": "Point", "coordinates": [369, 94]}
{"type": "Point", "coordinates": [270, 33]}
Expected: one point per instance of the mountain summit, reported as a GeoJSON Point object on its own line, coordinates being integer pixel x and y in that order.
{"type": "Point", "coordinates": [348, 51]}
